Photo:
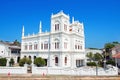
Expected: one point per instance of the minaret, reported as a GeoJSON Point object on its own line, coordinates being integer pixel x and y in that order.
{"type": "Point", "coordinates": [40, 27]}
{"type": "Point", "coordinates": [72, 20]}
{"type": "Point", "coordinates": [23, 31]}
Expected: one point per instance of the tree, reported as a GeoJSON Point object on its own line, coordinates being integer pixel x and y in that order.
{"type": "Point", "coordinates": [25, 60]}
{"type": "Point", "coordinates": [39, 62]}
{"type": "Point", "coordinates": [3, 61]}
{"type": "Point", "coordinates": [98, 57]}
{"type": "Point", "coordinates": [90, 56]}
{"type": "Point", "coordinates": [17, 43]}
{"type": "Point", "coordinates": [108, 48]}
{"type": "Point", "coordinates": [11, 62]}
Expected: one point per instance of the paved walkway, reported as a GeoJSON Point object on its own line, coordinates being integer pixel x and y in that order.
{"type": "Point", "coordinates": [41, 77]}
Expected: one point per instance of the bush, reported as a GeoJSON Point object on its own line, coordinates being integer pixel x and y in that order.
{"type": "Point", "coordinates": [91, 64]}
{"type": "Point", "coordinates": [3, 61]}
{"type": "Point", "coordinates": [112, 62]}
{"type": "Point", "coordinates": [24, 60]}
{"type": "Point", "coordinates": [39, 62]}
{"type": "Point", "coordinates": [11, 62]}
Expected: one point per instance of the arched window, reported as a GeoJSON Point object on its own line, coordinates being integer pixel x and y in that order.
{"type": "Point", "coordinates": [34, 57]}
{"type": "Point", "coordinates": [45, 45]}
{"type": "Point", "coordinates": [29, 57]}
{"type": "Point", "coordinates": [65, 27]}
{"type": "Point", "coordinates": [65, 60]}
{"type": "Point", "coordinates": [56, 44]}
{"type": "Point", "coordinates": [56, 61]}
{"type": "Point", "coordinates": [30, 46]}
{"type": "Point", "coordinates": [35, 46]}
{"type": "Point", "coordinates": [24, 56]}
{"type": "Point", "coordinates": [25, 47]}
{"type": "Point", "coordinates": [65, 45]}
{"type": "Point", "coordinates": [57, 26]}
{"type": "Point", "coordinates": [41, 45]}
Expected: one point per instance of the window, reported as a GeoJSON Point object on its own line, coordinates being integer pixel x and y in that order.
{"type": "Point", "coordinates": [65, 45]}
{"type": "Point", "coordinates": [41, 45]}
{"type": "Point", "coordinates": [78, 47]}
{"type": "Point", "coordinates": [56, 61]}
{"type": "Point", "coordinates": [30, 47]}
{"type": "Point", "coordinates": [65, 60]}
{"type": "Point", "coordinates": [34, 57]}
{"type": "Point", "coordinates": [35, 46]}
{"type": "Point", "coordinates": [65, 27]}
{"type": "Point", "coordinates": [75, 46]}
{"type": "Point", "coordinates": [45, 45]}
{"type": "Point", "coordinates": [25, 48]}
{"type": "Point", "coordinates": [29, 57]}
{"type": "Point", "coordinates": [56, 45]}
{"type": "Point", "coordinates": [56, 27]}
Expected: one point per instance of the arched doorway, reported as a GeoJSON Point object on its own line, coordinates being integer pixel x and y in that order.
{"type": "Point", "coordinates": [56, 61]}
{"type": "Point", "coordinates": [18, 59]}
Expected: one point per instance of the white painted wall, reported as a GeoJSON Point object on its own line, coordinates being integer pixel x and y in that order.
{"type": "Point", "coordinates": [83, 71]}
{"type": "Point", "coordinates": [13, 70]}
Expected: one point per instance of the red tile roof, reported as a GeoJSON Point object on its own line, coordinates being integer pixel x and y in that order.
{"type": "Point", "coordinates": [116, 55]}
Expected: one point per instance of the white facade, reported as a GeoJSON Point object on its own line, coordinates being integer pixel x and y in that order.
{"type": "Point", "coordinates": [63, 46]}
{"type": "Point", "coordinates": [9, 51]}
{"type": "Point", "coordinates": [94, 51]}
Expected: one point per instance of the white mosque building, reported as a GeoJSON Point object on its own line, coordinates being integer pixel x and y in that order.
{"type": "Point", "coordinates": [63, 46]}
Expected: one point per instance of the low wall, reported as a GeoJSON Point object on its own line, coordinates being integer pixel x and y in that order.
{"type": "Point", "coordinates": [13, 70]}
{"type": "Point", "coordinates": [83, 71]}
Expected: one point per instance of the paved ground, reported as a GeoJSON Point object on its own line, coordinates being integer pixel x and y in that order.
{"type": "Point", "coordinates": [41, 77]}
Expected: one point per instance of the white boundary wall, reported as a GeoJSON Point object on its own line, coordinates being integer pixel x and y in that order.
{"type": "Point", "coordinates": [83, 71]}
{"type": "Point", "coordinates": [13, 70]}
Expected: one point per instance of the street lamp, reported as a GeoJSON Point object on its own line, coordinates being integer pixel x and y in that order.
{"type": "Point", "coordinates": [96, 68]}
{"type": "Point", "coordinates": [104, 64]}
{"type": "Point", "coordinates": [104, 59]}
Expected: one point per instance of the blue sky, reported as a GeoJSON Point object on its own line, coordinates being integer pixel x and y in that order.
{"type": "Point", "coordinates": [101, 18]}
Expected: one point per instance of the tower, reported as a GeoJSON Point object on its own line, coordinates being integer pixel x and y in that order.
{"type": "Point", "coordinates": [59, 22]}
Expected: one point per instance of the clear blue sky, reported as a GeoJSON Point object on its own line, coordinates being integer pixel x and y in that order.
{"type": "Point", "coordinates": [101, 18]}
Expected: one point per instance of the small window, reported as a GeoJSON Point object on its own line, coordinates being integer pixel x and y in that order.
{"type": "Point", "coordinates": [35, 46]}
{"type": "Point", "coordinates": [65, 45]}
{"type": "Point", "coordinates": [65, 60]}
{"type": "Point", "coordinates": [30, 47]}
{"type": "Point", "coordinates": [56, 27]}
{"type": "Point", "coordinates": [41, 45]}
{"type": "Point", "coordinates": [65, 27]}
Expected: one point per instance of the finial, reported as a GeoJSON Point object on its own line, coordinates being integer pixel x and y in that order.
{"type": "Point", "coordinates": [23, 31]}
{"type": "Point", "coordinates": [72, 19]}
{"type": "Point", "coordinates": [61, 11]}
{"type": "Point", "coordinates": [40, 27]}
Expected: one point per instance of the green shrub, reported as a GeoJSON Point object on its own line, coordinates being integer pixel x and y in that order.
{"type": "Point", "coordinates": [91, 64]}
{"type": "Point", "coordinates": [39, 62]}
{"type": "Point", "coordinates": [3, 61]}
{"type": "Point", "coordinates": [24, 60]}
{"type": "Point", "coordinates": [112, 62]}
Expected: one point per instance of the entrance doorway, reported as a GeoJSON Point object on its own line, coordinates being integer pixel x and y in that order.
{"type": "Point", "coordinates": [79, 63]}
{"type": "Point", "coordinates": [45, 62]}
{"type": "Point", "coordinates": [29, 69]}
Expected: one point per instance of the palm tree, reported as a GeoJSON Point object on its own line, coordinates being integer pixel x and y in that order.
{"type": "Point", "coordinates": [98, 57]}
{"type": "Point", "coordinates": [90, 56]}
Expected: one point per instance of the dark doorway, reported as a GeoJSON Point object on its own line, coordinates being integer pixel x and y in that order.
{"type": "Point", "coordinates": [18, 59]}
{"type": "Point", "coordinates": [45, 62]}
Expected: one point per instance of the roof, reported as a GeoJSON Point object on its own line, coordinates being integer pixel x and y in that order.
{"type": "Point", "coordinates": [11, 45]}
{"type": "Point", "coordinates": [116, 55]}
{"type": "Point", "coordinates": [14, 47]}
